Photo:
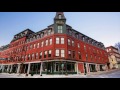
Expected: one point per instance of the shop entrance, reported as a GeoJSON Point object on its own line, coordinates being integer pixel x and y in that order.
{"type": "Point", "coordinates": [92, 68]}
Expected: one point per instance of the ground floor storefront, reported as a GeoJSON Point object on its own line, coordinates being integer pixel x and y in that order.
{"type": "Point", "coordinates": [52, 67]}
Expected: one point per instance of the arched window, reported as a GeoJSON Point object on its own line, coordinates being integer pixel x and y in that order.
{"type": "Point", "coordinates": [79, 54]}
{"type": "Point", "coordinates": [34, 46]}
{"type": "Point", "coordinates": [49, 53]}
{"type": "Point", "coordinates": [38, 45]}
{"type": "Point", "coordinates": [73, 43]}
{"type": "Point", "coordinates": [40, 55]}
{"type": "Point", "coordinates": [22, 57]}
{"type": "Point", "coordinates": [30, 46]}
{"type": "Point", "coordinates": [69, 54]}
{"type": "Point", "coordinates": [45, 54]}
{"type": "Point", "coordinates": [26, 57]}
{"type": "Point", "coordinates": [33, 56]}
{"type": "Point", "coordinates": [42, 43]}
{"type": "Point", "coordinates": [78, 45]}
{"type": "Point", "coordinates": [46, 42]}
{"type": "Point", "coordinates": [36, 55]}
{"type": "Point", "coordinates": [50, 41]}
{"type": "Point", "coordinates": [29, 57]}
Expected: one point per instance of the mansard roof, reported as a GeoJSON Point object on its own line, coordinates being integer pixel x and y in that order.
{"type": "Point", "coordinates": [22, 34]}
{"type": "Point", "coordinates": [4, 47]}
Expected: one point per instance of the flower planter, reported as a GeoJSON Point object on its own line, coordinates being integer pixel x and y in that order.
{"type": "Point", "coordinates": [26, 74]}
{"type": "Point", "coordinates": [32, 74]}
{"type": "Point", "coordinates": [66, 74]}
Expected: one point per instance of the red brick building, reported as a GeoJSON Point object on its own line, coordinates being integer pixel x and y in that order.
{"type": "Point", "coordinates": [58, 49]}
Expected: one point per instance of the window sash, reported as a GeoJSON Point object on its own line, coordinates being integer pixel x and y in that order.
{"type": "Point", "coordinates": [49, 32]}
{"type": "Point", "coordinates": [45, 52]}
{"type": "Point", "coordinates": [60, 29]}
{"type": "Point", "coordinates": [57, 40]}
{"type": "Point", "coordinates": [50, 41]}
{"type": "Point", "coordinates": [38, 45]}
{"type": "Point", "coordinates": [41, 54]}
{"type": "Point", "coordinates": [69, 52]}
{"type": "Point", "coordinates": [68, 41]}
{"type": "Point", "coordinates": [62, 53]}
{"type": "Point", "coordinates": [57, 53]}
{"type": "Point", "coordinates": [78, 45]}
{"type": "Point", "coordinates": [34, 46]}
{"type": "Point", "coordinates": [50, 51]}
{"type": "Point", "coordinates": [42, 43]}
{"type": "Point", "coordinates": [46, 42]}
{"type": "Point", "coordinates": [72, 43]}
{"type": "Point", "coordinates": [62, 40]}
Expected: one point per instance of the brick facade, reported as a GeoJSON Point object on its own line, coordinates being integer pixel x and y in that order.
{"type": "Point", "coordinates": [72, 48]}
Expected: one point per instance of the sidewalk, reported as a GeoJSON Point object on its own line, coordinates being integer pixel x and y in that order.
{"type": "Point", "coordinates": [59, 76]}
{"type": "Point", "coordinates": [103, 72]}
{"type": "Point", "coordinates": [55, 76]}
{"type": "Point", "coordinates": [43, 76]}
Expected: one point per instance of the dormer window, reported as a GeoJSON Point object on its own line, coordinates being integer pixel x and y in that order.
{"type": "Point", "coordinates": [77, 36]}
{"type": "Point", "coordinates": [38, 36]}
{"type": "Point", "coordinates": [42, 34]}
{"type": "Point", "coordinates": [88, 40]}
{"type": "Point", "coordinates": [31, 39]}
{"type": "Point", "coordinates": [70, 32]}
{"type": "Point", "coordinates": [49, 31]}
{"type": "Point", "coordinates": [60, 29]}
{"type": "Point", "coordinates": [60, 16]}
{"type": "Point", "coordinates": [34, 38]}
{"type": "Point", "coordinates": [83, 38]}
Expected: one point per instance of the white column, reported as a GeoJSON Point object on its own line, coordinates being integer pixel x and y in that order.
{"type": "Point", "coordinates": [90, 67]}
{"type": "Point", "coordinates": [55, 67]}
{"type": "Point", "coordinates": [87, 67]}
{"type": "Point", "coordinates": [3, 67]}
{"type": "Point", "coordinates": [51, 69]}
{"type": "Point", "coordinates": [8, 68]}
{"type": "Point", "coordinates": [0, 67]}
{"type": "Point", "coordinates": [11, 68]}
{"type": "Point", "coordinates": [28, 68]}
{"type": "Point", "coordinates": [96, 67]}
{"type": "Point", "coordinates": [18, 69]}
{"type": "Point", "coordinates": [41, 68]}
{"type": "Point", "coordinates": [77, 68]}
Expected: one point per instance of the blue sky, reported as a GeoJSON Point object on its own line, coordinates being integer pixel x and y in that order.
{"type": "Point", "coordinates": [101, 26]}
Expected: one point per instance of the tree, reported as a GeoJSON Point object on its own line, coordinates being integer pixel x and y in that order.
{"type": "Point", "coordinates": [117, 45]}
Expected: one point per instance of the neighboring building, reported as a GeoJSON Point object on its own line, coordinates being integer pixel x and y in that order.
{"type": "Point", "coordinates": [58, 49]}
{"type": "Point", "coordinates": [114, 57]}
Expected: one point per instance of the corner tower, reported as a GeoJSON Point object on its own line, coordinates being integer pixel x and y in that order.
{"type": "Point", "coordinates": [60, 23]}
